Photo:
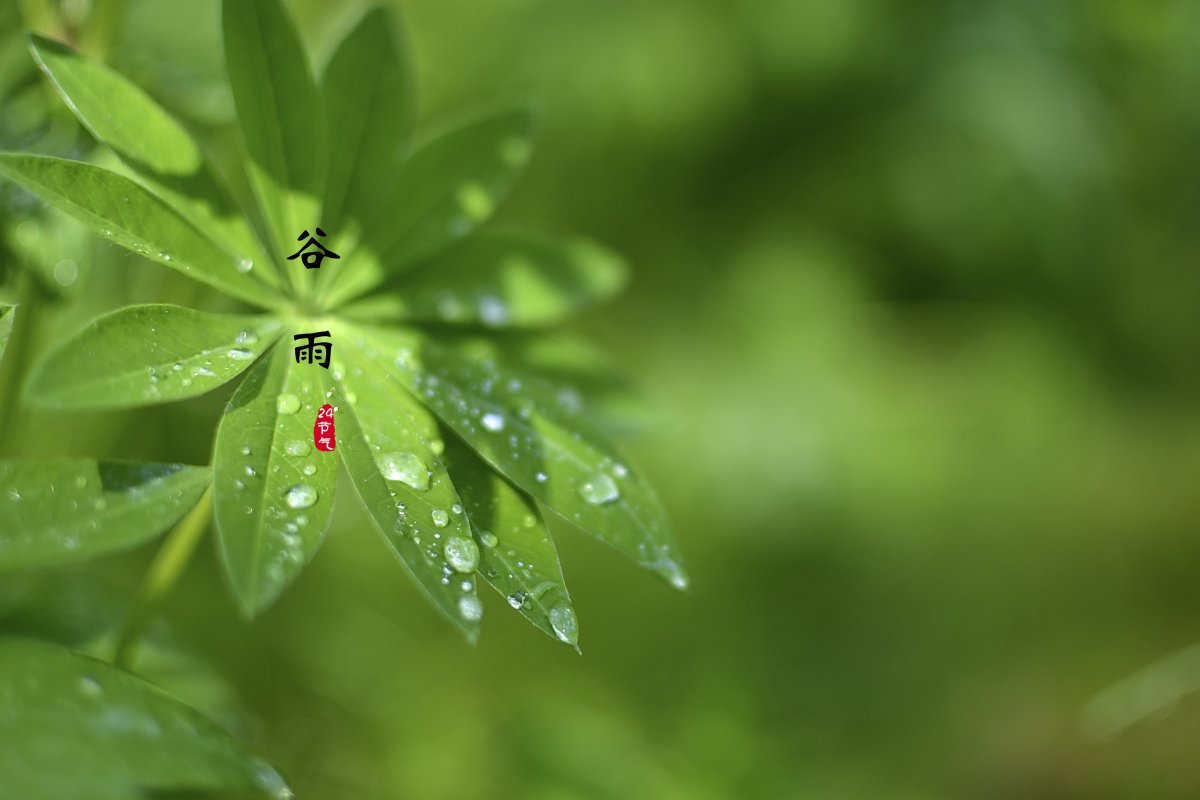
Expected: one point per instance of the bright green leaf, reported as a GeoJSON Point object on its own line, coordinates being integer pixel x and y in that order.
{"type": "Point", "coordinates": [141, 355]}
{"type": "Point", "coordinates": [7, 314]}
{"type": "Point", "coordinates": [450, 184]}
{"type": "Point", "coordinates": [55, 512]}
{"type": "Point", "coordinates": [128, 214]}
{"type": "Point", "coordinates": [273, 490]}
{"type": "Point", "coordinates": [502, 278]}
{"type": "Point", "coordinates": [517, 556]}
{"type": "Point", "coordinates": [72, 727]}
{"type": "Point", "coordinates": [535, 436]}
{"type": "Point", "coordinates": [279, 112]}
{"type": "Point", "coordinates": [152, 143]}
{"type": "Point", "coordinates": [391, 448]}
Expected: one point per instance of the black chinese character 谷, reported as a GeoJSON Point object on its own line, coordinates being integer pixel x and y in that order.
{"type": "Point", "coordinates": [313, 352]}
{"type": "Point", "coordinates": [312, 258]}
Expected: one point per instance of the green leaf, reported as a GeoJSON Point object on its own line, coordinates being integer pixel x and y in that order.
{"type": "Point", "coordinates": [279, 112]}
{"type": "Point", "coordinates": [73, 727]}
{"type": "Point", "coordinates": [450, 184]}
{"type": "Point", "coordinates": [128, 214]}
{"type": "Point", "coordinates": [370, 104]}
{"type": "Point", "coordinates": [152, 143]}
{"type": "Point", "coordinates": [56, 512]}
{"type": "Point", "coordinates": [273, 490]}
{"type": "Point", "coordinates": [390, 447]}
{"type": "Point", "coordinates": [502, 278]}
{"type": "Point", "coordinates": [7, 314]}
{"type": "Point", "coordinates": [517, 556]}
{"type": "Point", "coordinates": [581, 378]}
{"type": "Point", "coordinates": [141, 355]}
{"type": "Point", "coordinates": [536, 437]}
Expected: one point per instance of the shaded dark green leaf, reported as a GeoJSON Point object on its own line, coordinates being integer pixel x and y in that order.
{"type": "Point", "coordinates": [62, 511]}
{"type": "Point", "coordinates": [8, 313]}
{"type": "Point", "coordinates": [73, 727]}
{"type": "Point", "coordinates": [451, 183]}
{"type": "Point", "coordinates": [370, 103]}
{"type": "Point", "coordinates": [502, 278]}
{"type": "Point", "coordinates": [279, 112]}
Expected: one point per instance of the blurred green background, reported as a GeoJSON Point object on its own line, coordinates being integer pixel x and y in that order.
{"type": "Point", "coordinates": [915, 296]}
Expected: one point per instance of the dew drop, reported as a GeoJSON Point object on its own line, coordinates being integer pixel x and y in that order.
{"type": "Point", "coordinates": [461, 554]}
{"type": "Point", "coordinates": [516, 599]}
{"type": "Point", "coordinates": [297, 447]}
{"type": "Point", "coordinates": [406, 468]}
{"type": "Point", "coordinates": [287, 403]}
{"type": "Point", "coordinates": [246, 336]}
{"type": "Point", "coordinates": [489, 539]}
{"type": "Point", "coordinates": [493, 422]}
{"type": "Point", "coordinates": [88, 687]}
{"type": "Point", "coordinates": [309, 469]}
{"type": "Point", "coordinates": [566, 627]}
{"type": "Point", "coordinates": [471, 608]}
{"type": "Point", "coordinates": [599, 489]}
{"type": "Point", "coordinates": [245, 451]}
{"type": "Point", "coordinates": [300, 496]}
{"type": "Point", "coordinates": [245, 265]}
{"type": "Point", "coordinates": [440, 518]}
{"type": "Point", "coordinates": [239, 354]}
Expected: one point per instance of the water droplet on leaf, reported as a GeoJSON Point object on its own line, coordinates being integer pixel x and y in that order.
{"type": "Point", "coordinates": [471, 608]}
{"type": "Point", "coordinates": [287, 403]}
{"type": "Point", "coordinates": [599, 489]}
{"type": "Point", "coordinates": [406, 468]}
{"type": "Point", "coordinates": [566, 627]}
{"type": "Point", "coordinates": [461, 554]}
{"type": "Point", "coordinates": [300, 496]}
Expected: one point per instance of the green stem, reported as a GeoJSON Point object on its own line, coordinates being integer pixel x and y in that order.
{"type": "Point", "coordinates": [168, 565]}
{"type": "Point", "coordinates": [16, 357]}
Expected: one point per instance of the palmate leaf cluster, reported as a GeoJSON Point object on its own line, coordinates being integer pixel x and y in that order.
{"type": "Point", "coordinates": [456, 421]}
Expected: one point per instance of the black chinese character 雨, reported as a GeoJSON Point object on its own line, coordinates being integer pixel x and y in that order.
{"type": "Point", "coordinates": [313, 352]}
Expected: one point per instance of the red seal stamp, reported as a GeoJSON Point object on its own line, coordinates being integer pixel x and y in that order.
{"type": "Point", "coordinates": [324, 435]}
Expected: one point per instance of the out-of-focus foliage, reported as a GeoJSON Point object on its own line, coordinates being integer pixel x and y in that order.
{"type": "Point", "coordinates": [914, 286]}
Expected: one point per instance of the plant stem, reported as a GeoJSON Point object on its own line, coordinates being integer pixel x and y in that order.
{"type": "Point", "coordinates": [168, 565]}
{"type": "Point", "coordinates": [16, 357]}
